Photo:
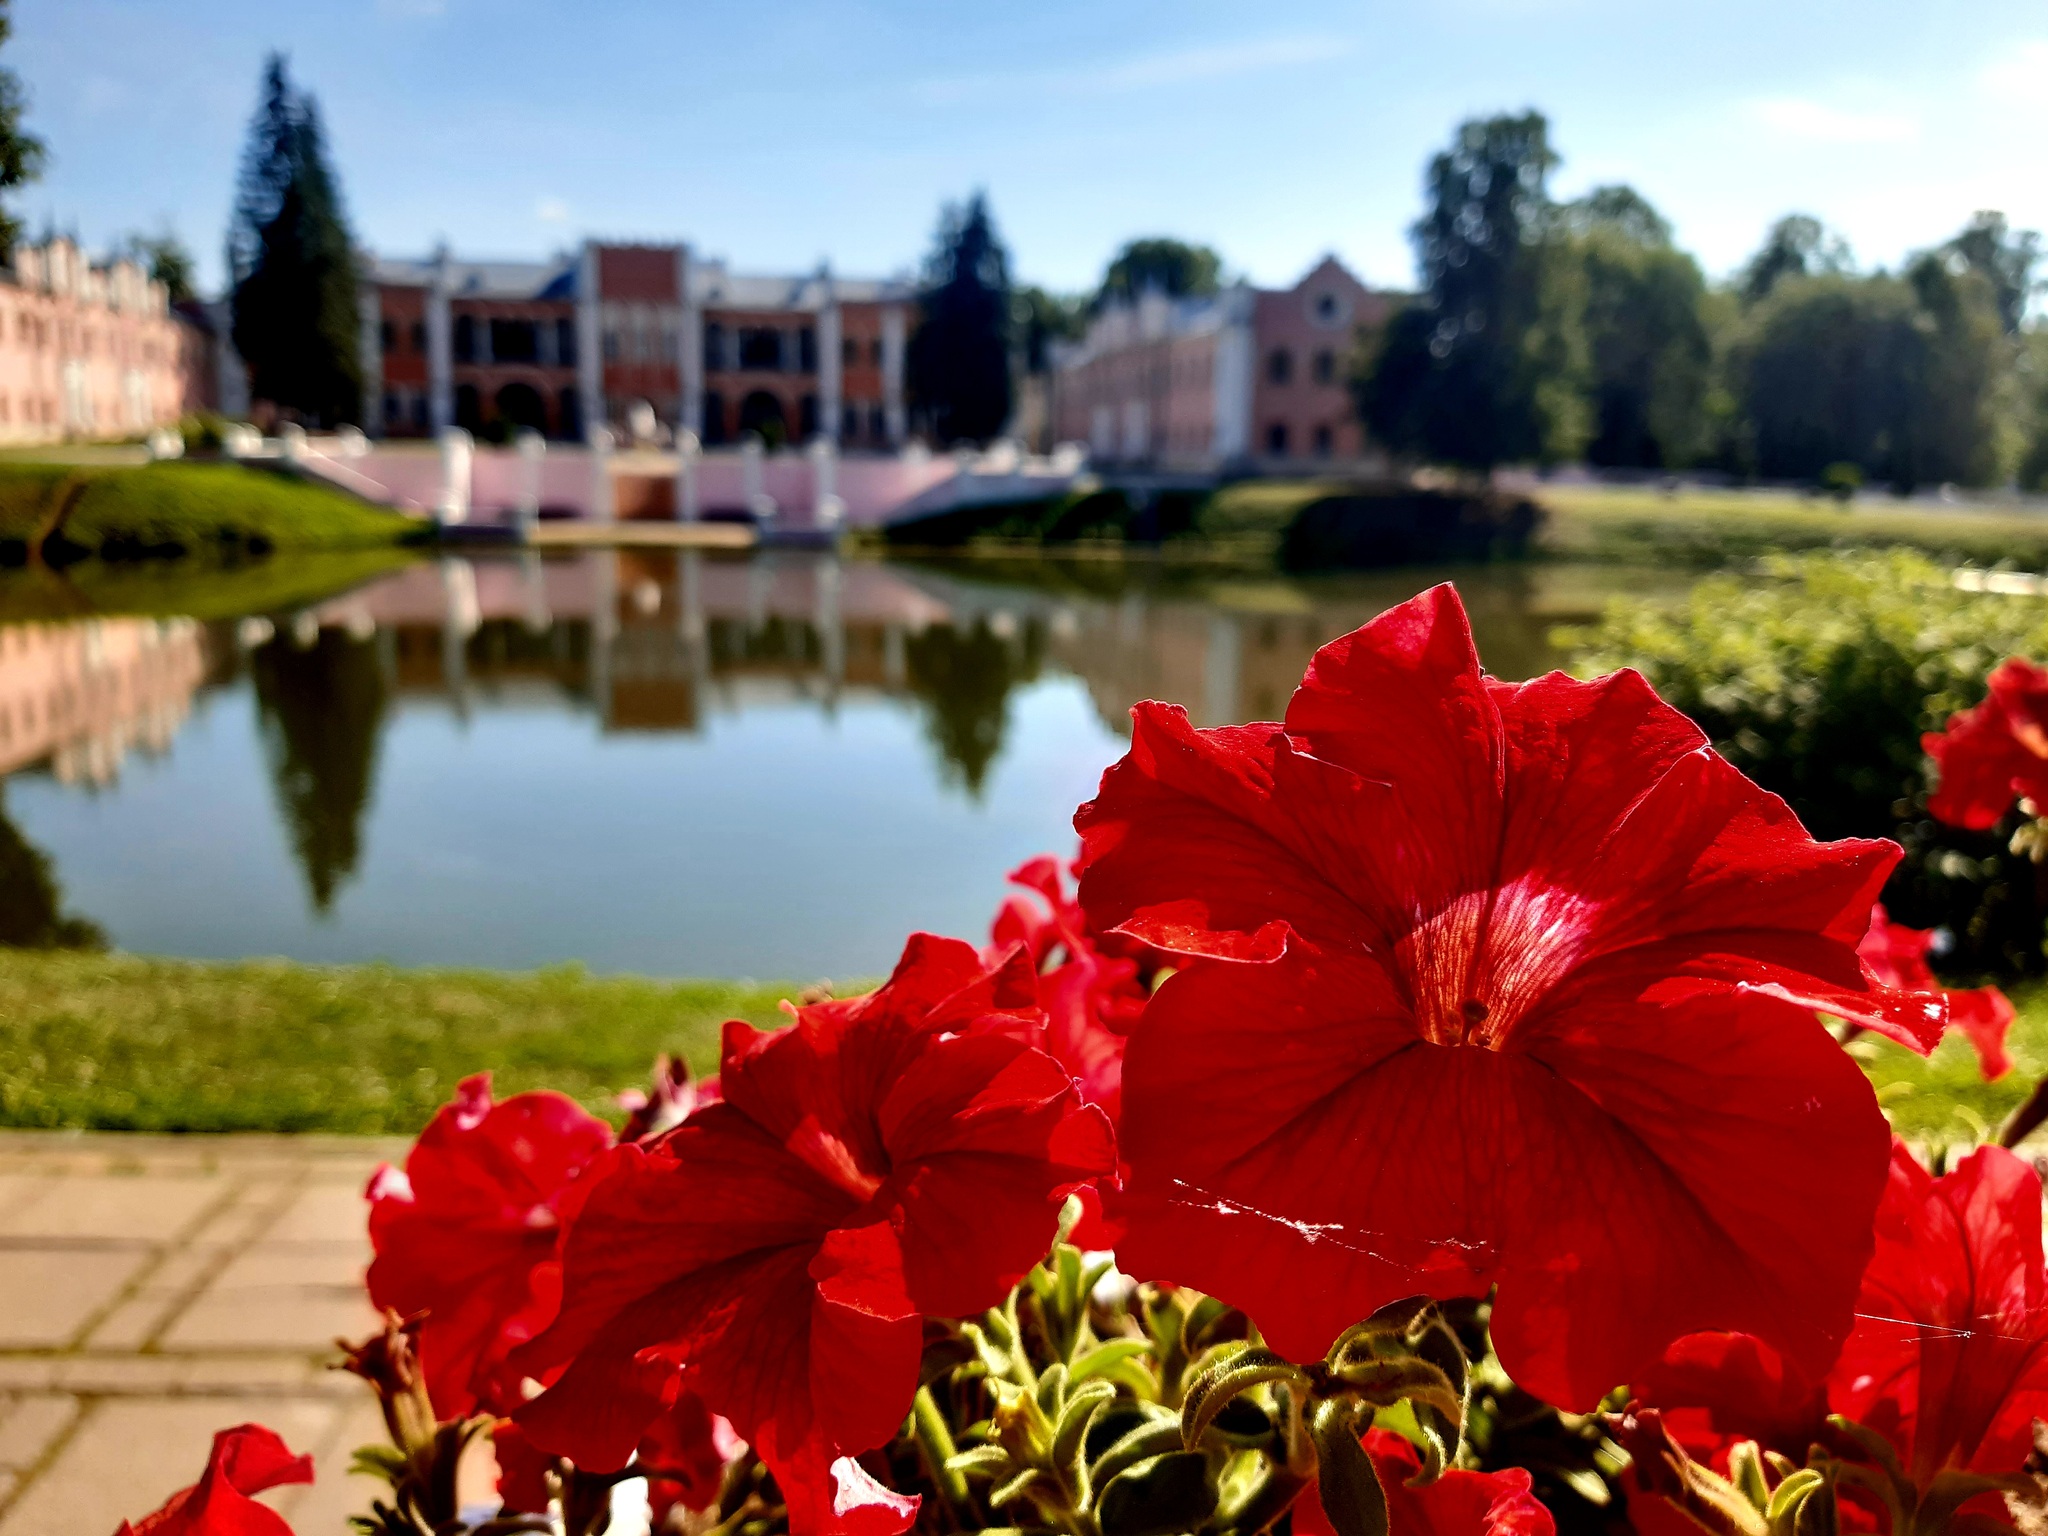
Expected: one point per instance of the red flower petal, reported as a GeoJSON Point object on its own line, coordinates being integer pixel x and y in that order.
{"type": "Point", "coordinates": [1950, 1354]}
{"type": "Point", "coordinates": [469, 1234]}
{"type": "Point", "coordinates": [1988, 756]}
{"type": "Point", "coordinates": [1557, 957]}
{"type": "Point", "coordinates": [1716, 1388]}
{"type": "Point", "coordinates": [522, 1469]}
{"type": "Point", "coordinates": [1459, 1503]}
{"type": "Point", "coordinates": [1896, 956]}
{"type": "Point", "coordinates": [775, 1253]}
{"type": "Point", "coordinates": [245, 1460]}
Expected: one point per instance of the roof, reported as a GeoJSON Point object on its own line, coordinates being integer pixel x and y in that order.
{"type": "Point", "coordinates": [483, 279]}
{"type": "Point", "coordinates": [711, 282]}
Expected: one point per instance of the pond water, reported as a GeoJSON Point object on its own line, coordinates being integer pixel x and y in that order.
{"type": "Point", "coordinates": [662, 763]}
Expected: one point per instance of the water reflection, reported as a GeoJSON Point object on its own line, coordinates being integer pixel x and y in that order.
{"type": "Point", "coordinates": [674, 763]}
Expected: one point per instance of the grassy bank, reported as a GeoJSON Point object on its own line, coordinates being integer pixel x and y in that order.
{"type": "Point", "coordinates": [119, 1042]}
{"type": "Point", "coordinates": [66, 513]}
{"type": "Point", "coordinates": [1709, 528]}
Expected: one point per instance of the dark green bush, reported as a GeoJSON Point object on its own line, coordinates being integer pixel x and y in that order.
{"type": "Point", "coordinates": [1816, 674]}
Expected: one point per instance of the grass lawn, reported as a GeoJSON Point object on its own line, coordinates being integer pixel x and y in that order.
{"type": "Point", "coordinates": [1706, 527]}
{"type": "Point", "coordinates": [183, 508]}
{"type": "Point", "coordinates": [119, 1042]}
{"type": "Point", "coordinates": [122, 1042]}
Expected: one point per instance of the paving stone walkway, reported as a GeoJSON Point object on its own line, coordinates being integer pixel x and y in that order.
{"type": "Point", "coordinates": [154, 1289]}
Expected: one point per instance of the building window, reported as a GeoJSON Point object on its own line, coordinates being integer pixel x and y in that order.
{"type": "Point", "coordinates": [419, 413]}
{"type": "Point", "coordinates": [465, 339]}
{"type": "Point", "coordinates": [807, 416]}
{"type": "Point", "coordinates": [849, 422]}
{"type": "Point", "coordinates": [849, 353]}
{"type": "Point", "coordinates": [387, 336]}
{"type": "Point", "coordinates": [807, 350]}
{"type": "Point", "coordinates": [514, 341]}
{"type": "Point", "coordinates": [419, 337]}
{"type": "Point", "coordinates": [1326, 367]}
{"type": "Point", "coordinates": [1276, 438]}
{"type": "Point", "coordinates": [878, 424]}
{"type": "Point", "coordinates": [611, 346]}
{"type": "Point", "coordinates": [760, 347]}
{"type": "Point", "coordinates": [391, 409]}
{"type": "Point", "coordinates": [714, 416]}
{"type": "Point", "coordinates": [565, 343]}
{"type": "Point", "coordinates": [569, 411]}
{"type": "Point", "coordinates": [875, 352]}
{"type": "Point", "coordinates": [1279, 366]}
{"type": "Point", "coordinates": [714, 348]}
{"type": "Point", "coordinates": [1326, 308]}
{"type": "Point", "coordinates": [469, 410]}
{"type": "Point", "coordinates": [1324, 441]}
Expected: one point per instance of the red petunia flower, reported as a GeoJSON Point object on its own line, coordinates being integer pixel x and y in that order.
{"type": "Point", "coordinates": [1492, 984]}
{"type": "Point", "coordinates": [245, 1460]}
{"type": "Point", "coordinates": [1091, 987]}
{"type": "Point", "coordinates": [1714, 1389]}
{"type": "Point", "coordinates": [1458, 1503]}
{"type": "Point", "coordinates": [1949, 1360]}
{"type": "Point", "coordinates": [887, 1158]}
{"type": "Point", "coordinates": [1998, 752]}
{"type": "Point", "coordinates": [469, 1233]}
{"type": "Point", "coordinates": [1896, 956]}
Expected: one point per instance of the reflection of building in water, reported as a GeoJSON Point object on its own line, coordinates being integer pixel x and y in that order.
{"type": "Point", "coordinates": [84, 694]}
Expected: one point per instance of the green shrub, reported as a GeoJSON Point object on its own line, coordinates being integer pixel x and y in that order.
{"type": "Point", "coordinates": [1816, 674]}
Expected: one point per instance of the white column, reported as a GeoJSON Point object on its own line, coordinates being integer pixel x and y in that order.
{"type": "Point", "coordinates": [688, 451]}
{"type": "Point", "coordinates": [370, 350]}
{"type": "Point", "coordinates": [533, 451]}
{"type": "Point", "coordinates": [827, 510]}
{"type": "Point", "coordinates": [440, 351]}
{"type": "Point", "coordinates": [602, 508]}
{"type": "Point", "coordinates": [689, 351]}
{"type": "Point", "coordinates": [589, 345]}
{"type": "Point", "coordinates": [893, 339]}
{"type": "Point", "coordinates": [830, 380]}
{"type": "Point", "coordinates": [753, 493]}
{"type": "Point", "coordinates": [457, 463]}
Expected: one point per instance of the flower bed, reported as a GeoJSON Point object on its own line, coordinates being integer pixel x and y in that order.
{"type": "Point", "coordinates": [1430, 1114]}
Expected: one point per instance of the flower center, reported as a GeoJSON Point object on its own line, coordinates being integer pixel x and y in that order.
{"type": "Point", "coordinates": [828, 1155]}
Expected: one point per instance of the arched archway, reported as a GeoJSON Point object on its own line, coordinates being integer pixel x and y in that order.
{"type": "Point", "coordinates": [761, 412]}
{"type": "Point", "coordinates": [469, 412]}
{"type": "Point", "coordinates": [520, 405]}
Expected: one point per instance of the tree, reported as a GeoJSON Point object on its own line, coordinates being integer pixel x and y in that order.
{"type": "Point", "coordinates": [292, 263]}
{"type": "Point", "coordinates": [2005, 258]}
{"type": "Point", "coordinates": [959, 357]}
{"type": "Point", "coordinates": [167, 261]}
{"type": "Point", "coordinates": [1487, 366]}
{"type": "Point", "coordinates": [1162, 264]}
{"type": "Point", "coordinates": [21, 152]}
{"type": "Point", "coordinates": [1798, 245]}
{"type": "Point", "coordinates": [1043, 318]}
{"type": "Point", "coordinates": [32, 914]}
{"type": "Point", "coordinates": [1646, 334]}
{"type": "Point", "coordinates": [1895, 375]}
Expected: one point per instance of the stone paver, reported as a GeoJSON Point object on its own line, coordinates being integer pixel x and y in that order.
{"type": "Point", "coordinates": [156, 1289]}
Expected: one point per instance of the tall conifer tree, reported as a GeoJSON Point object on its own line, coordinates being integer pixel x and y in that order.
{"type": "Point", "coordinates": [293, 264]}
{"type": "Point", "coordinates": [959, 359]}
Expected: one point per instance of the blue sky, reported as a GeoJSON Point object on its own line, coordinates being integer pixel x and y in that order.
{"type": "Point", "coordinates": [782, 135]}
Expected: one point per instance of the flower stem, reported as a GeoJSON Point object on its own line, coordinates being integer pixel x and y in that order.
{"type": "Point", "coordinates": [935, 1441]}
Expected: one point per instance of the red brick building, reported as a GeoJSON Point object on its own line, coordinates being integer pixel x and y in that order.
{"type": "Point", "coordinates": [589, 337]}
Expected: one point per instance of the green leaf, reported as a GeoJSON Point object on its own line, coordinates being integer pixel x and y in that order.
{"type": "Point", "coordinates": [1153, 1439]}
{"type": "Point", "coordinates": [1158, 1497]}
{"type": "Point", "coordinates": [1350, 1488]}
{"type": "Point", "coordinates": [1214, 1389]}
{"type": "Point", "coordinates": [1102, 1357]}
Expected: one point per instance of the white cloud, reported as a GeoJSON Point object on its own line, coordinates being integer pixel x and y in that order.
{"type": "Point", "coordinates": [551, 210]}
{"type": "Point", "coordinates": [1798, 118]}
{"type": "Point", "coordinates": [1181, 66]}
{"type": "Point", "coordinates": [2020, 74]}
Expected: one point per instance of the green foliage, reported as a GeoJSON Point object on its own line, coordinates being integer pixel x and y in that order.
{"type": "Point", "coordinates": [1042, 318]}
{"type": "Point", "coordinates": [293, 264]}
{"type": "Point", "coordinates": [1943, 1098]}
{"type": "Point", "coordinates": [167, 261]}
{"type": "Point", "coordinates": [964, 678]}
{"type": "Point", "coordinates": [32, 912]}
{"type": "Point", "coordinates": [1646, 332]}
{"type": "Point", "coordinates": [1798, 245]}
{"type": "Point", "coordinates": [119, 1042]}
{"type": "Point", "coordinates": [1816, 676]}
{"type": "Point", "coordinates": [1162, 265]}
{"type": "Point", "coordinates": [2005, 258]}
{"type": "Point", "coordinates": [1487, 367]}
{"type": "Point", "coordinates": [1895, 375]}
{"type": "Point", "coordinates": [959, 357]}
{"type": "Point", "coordinates": [21, 152]}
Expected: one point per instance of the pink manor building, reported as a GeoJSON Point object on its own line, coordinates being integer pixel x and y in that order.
{"type": "Point", "coordinates": [1246, 378]}
{"type": "Point", "coordinates": [93, 351]}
